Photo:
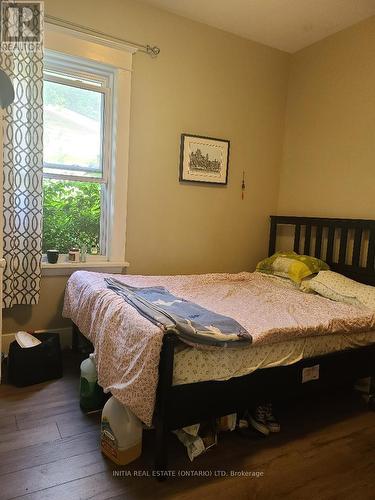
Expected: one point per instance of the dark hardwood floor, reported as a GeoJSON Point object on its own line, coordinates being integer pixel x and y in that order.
{"type": "Point", "coordinates": [50, 450]}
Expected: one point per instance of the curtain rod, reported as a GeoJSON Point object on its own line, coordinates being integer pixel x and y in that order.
{"type": "Point", "coordinates": [152, 51]}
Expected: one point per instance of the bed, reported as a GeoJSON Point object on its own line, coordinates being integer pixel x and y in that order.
{"type": "Point", "coordinates": [184, 396]}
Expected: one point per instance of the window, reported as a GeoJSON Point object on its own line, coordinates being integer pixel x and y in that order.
{"type": "Point", "coordinates": [77, 152]}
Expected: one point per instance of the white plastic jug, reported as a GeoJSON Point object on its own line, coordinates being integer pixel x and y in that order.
{"type": "Point", "coordinates": [121, 433]}
{"type": "Point", "coordinates": [88, 370]}
{"type": "Point", "coordinates": [91, 394]}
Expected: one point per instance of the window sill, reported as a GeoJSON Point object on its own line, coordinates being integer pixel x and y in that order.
{"type": "Point", "coordinates": [68, 268]}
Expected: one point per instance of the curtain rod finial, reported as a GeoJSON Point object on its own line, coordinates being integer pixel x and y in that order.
{"type": "Point", "coordinates": [153, 51]}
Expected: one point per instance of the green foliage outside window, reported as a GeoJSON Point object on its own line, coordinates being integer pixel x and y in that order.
{"type": "Point", "coordinates": [71, 214]}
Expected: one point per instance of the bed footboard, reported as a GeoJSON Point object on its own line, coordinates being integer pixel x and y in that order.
{"type": "Point", "coordinates": [163, 396]}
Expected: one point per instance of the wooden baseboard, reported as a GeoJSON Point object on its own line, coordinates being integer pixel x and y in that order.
{"type": "Point", "coordinates": [65, 338]}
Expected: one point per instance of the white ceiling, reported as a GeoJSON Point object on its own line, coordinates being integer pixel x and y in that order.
{"type": "Point", "coordinates": [288, 25]}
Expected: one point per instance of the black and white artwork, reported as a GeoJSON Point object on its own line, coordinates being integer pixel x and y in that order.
{"type": "Point", "coordinates": [204, 159]}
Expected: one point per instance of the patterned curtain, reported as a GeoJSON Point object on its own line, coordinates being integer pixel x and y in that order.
{"type": "Point", "coordinates": [23, 164]}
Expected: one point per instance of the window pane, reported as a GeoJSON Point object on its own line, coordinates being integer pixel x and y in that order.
{"type": "Point", "coordinates": [71, 214]}
{"type": "Point", "coordinates": [73, 122]}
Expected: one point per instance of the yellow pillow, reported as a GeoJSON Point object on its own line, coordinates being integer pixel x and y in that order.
{"type": "Point", "coordinates": [291, 265]}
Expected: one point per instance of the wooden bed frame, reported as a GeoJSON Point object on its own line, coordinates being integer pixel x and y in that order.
{"type": "Point", "coordinates": [182, 405]}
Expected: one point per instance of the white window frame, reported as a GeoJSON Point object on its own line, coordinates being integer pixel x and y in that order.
{"type": "Point", "coordinates": [116, 57]}
{"type": "Point", "coordinates": [71, 71]}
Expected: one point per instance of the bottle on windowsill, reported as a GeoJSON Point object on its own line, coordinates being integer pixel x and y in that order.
{"type": "Point", "coordinates": [74, 254]}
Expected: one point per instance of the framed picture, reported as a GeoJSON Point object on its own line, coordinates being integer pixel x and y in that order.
{"type": "Point", "coordinates": [204, 159]}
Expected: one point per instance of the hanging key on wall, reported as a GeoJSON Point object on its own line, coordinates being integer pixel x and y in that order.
{"type": "Point", "coordinates": [243, 186]}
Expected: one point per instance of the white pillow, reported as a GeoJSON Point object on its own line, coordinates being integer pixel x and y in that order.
{"type": "Point", "coordinates": [337, 287]}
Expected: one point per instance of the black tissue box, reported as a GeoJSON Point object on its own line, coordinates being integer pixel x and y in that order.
{"type": "Point", "coordinates": [32, 365]}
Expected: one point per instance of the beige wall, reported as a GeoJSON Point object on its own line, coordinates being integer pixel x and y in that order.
{"type": "Point", "coordinates": [204, 82]}
{"type": "Point", "coordinates": [45, 315]}
{"type": "Point", "coordinates": [328, 166]}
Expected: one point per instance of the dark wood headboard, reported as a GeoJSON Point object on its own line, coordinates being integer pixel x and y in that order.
{"type": "Point", "coordinates": [322, 236]}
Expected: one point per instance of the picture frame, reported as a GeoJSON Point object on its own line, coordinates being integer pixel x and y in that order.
{"type": "Point", "coordinates": [204, 159]}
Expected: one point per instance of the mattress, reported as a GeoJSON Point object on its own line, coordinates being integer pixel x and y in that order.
{"type": "Point", "coordinates": [193, 365]}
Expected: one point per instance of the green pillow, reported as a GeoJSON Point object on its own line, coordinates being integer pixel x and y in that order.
{"type": "Point", "coordinates": [291, 265]}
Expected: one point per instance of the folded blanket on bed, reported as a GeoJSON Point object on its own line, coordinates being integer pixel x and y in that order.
{"type": "Point", "coordinates": [192, 323]}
